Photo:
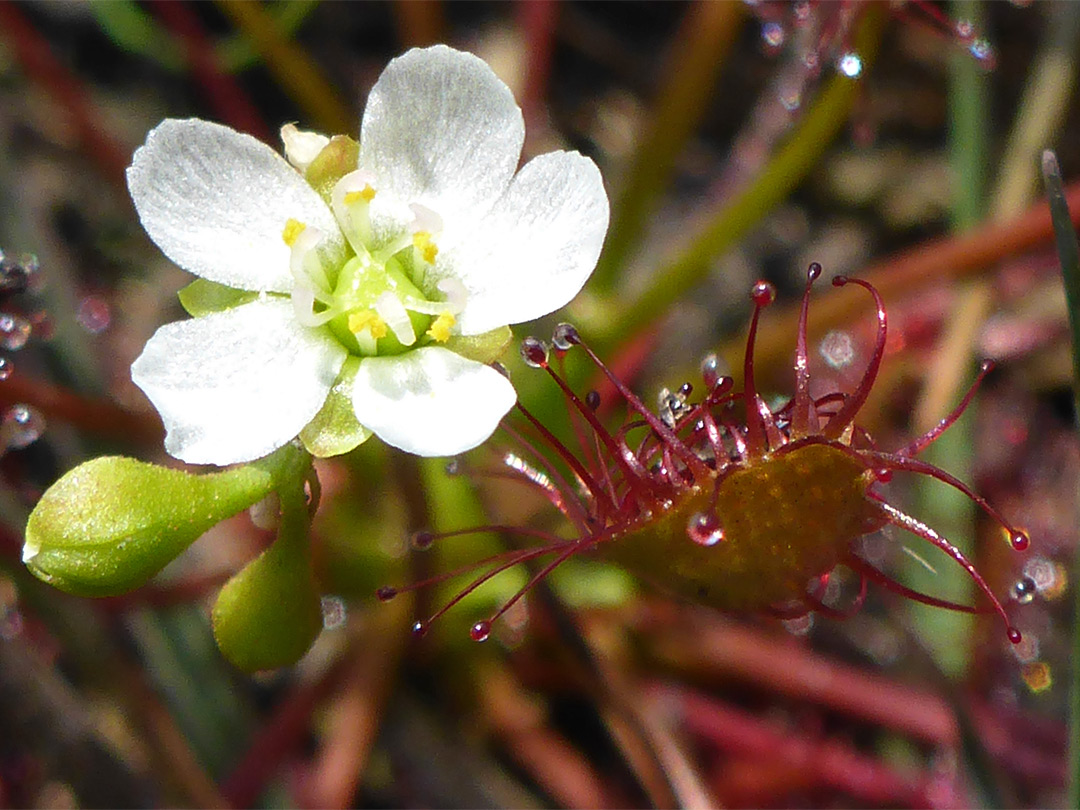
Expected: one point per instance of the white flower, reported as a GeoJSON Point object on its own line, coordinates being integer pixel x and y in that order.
{"type": "Point", "coordinates": [358, 292]}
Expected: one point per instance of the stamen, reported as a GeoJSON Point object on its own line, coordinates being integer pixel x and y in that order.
{"type": "Point", "coordinates": [425, 246]}
{"type": "Point", "coordinates": [366, 319]}
{"type": "Point", "coordinates": [440, 327]}
{"type": "Point", "coordinates": [366, 194]}
{"type": "Point", "coordinates": [293, 228]}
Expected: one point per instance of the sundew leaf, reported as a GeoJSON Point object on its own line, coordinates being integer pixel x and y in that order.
{"type": "Point", "coordinates": [110, 524]}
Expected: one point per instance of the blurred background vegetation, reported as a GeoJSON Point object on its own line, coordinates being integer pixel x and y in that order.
{"type": "Point", "coordinates": [899, 142]}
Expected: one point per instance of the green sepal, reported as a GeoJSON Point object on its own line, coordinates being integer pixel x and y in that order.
{"type": "Point", "coordinates": [337, 159]}
{"type": "Point", "coordinates": [110, 524]}
{"type": "Point", "coordinates": [202, 297]}
{"type": "Point", "coordinates": [483, 348]}
{"type": "Point", "coordinates": [334, 430]}
{"type": "Point", "coordinates": [269, 614]}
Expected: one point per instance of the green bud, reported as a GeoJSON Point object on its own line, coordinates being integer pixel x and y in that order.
{"type": "Point", "coordinates": [270, 613]}
{"type": "Point", "coordinates": [110, 524]}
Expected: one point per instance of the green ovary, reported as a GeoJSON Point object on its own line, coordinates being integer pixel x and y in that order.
{"type": "Point", "coordinates": [360, 283]}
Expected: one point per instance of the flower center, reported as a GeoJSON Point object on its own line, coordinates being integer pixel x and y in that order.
{"type": "Point", "coordinates": [378, 300]}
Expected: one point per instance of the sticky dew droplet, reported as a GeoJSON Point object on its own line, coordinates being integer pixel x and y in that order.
{"type": "Point", "coordinates": [333, 612]}
{"type": "Point", "coordinates": [14, 332]}
{"type": "Point", "coordinates": [773, 34]}
{"type": "Point", "coordinates": [837, 349]}
{"type": "Point", "coordinates": [481, 631]}
{"type": "Point", "coordinates": [1015, 636]}
{"type": "Point", "coordinates": [1019, 540]}
{"type": "Point", "coordinates": [710, 370]}
{"type": "Point", "coordinates": [21, 427]}
{"type": "Point", "coordinates": [763, 293]}
{"type": "Point", "coordinates": [1023, 590]}
{"type": "Point", "coordinates": [849, 64]}
{"type": "Point", "coordinates": [534, 352]}
{"type": "Point", "coordinates": [94, 314]}
{"type": "Point", "coordinates": [983, 51]}
{"type": "Point", "coordinates": [386, 593]}
{"type": "Point", "coordinates": [565, 336]}
{"type": "Point", "coordinates": [419, 629]}
{"type": "Point", "coordinates": [704, 529]}
{"type": "Point", "coordinates": [592, 400]}
{"type": "Point", "coordinates": [422, 540]}
{"type": "Point", "coordinates": [6, 368]}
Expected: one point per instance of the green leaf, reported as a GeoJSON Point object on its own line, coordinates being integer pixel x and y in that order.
{"type": "Point", "coordinates": [334, 430]}
{"type": "Point", "coordinates": [201, 297]}
{"type": "Point", "coordinates": [483, 348]}
{"type": "Point", "coordinates": [270, 613]}
{"type": "Point", "coordinates": [110, 524]}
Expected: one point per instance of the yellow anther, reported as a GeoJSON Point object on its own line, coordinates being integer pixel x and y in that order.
{"type": "Point", "coordinates": [428, 250]}
{"type": "Point", "coordinates": [366, 319]}
{"type": "Point", "coordinates": [293, 229]}
{"type": "Point", "coordinates": [367, 194]}
{"type": "Point", "coordinates": [440, 327]}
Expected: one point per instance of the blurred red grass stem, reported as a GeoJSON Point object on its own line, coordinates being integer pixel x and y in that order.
{"type": "Point", "coordinates": [98, 417]}
{"type": "Point", "coordinates": [225, 95]}
{"type": "Point", "coordinates": [944, 259]}
{"type": "Point", "coordinates": [36, 59]}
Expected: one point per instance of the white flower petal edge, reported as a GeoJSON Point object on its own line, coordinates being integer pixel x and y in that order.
{"type": "Point", "coordinates": [536, 248]}
{"type": "Point", "coordinates": [440, 129]}
{"type": "Point", "coordinates": [216, 201]}
{"type": "Point", "coordinates": [430, 401]}
{"type": "Point", "coordinates": [235, 385]}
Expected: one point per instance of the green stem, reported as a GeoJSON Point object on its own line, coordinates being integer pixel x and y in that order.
{"type": "Point", "coordinates": [1069, 255]}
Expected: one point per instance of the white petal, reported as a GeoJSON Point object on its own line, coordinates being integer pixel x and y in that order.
{"type": "Point", "coordinates": [430, 401]}
{"type": "Point", "coordinates": [441, 130]}
{"type": "Point", "coordinates": [535, 249]}
{"type": "Point", "coordinates": [235, 385]}
{"type": "Point", "coordinates": [302, 146]}
{"type": "Point", "coordinates": [216, 201]}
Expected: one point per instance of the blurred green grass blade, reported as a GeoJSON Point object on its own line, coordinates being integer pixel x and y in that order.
{"type": "Point", "coordinates": [1069, 256]}
{"type": "Point", "coordinates": [948, 634]}
{"type": "Point", "coordinates": [694, 63]}
{"type": "Point", "coordinates": [804, 146]}
{"type": "Point", "coordinates": [136, 31]}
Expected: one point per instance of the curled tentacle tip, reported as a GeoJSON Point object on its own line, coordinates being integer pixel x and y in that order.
{"type": "Point", "coordinates": [839, 281]}
{"type": "Point", "coordinates": [813, 272]}
{"type": "Point", "coordinates": [385, 593]}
